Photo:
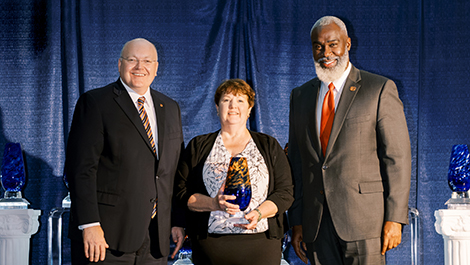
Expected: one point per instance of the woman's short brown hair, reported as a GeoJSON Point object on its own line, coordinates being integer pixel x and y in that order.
{"type": "Point", "coordinates": [237, 87]}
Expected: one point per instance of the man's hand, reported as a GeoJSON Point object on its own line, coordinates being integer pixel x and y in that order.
{"type": "Point", "coordinates": [391, 236]}
{"type": "Point", "coordinates": [94, 243]}
{"type": "Point", "coordinates": [177, 233]}
{"type": "Point", "coordinates": [297, 242]}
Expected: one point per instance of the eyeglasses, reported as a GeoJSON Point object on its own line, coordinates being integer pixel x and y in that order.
{"type": "Point", "coordinates": [134, 61]}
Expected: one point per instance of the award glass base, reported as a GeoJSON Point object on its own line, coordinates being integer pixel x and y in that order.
{"type": "Point", "coordinates": [237, 218]}
{"type": "Point", "coordinates": [13, 200]}
{"type": "Point", "coordinates": [460, 200]}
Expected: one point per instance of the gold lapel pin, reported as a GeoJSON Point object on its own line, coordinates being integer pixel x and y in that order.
{"type": "Point", "coordinates": [353, 88]}
{"type": "Point", "coordinates": [161, 105]}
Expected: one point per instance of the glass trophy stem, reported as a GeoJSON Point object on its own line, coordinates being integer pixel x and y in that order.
{"type": "Point", "coordinates": [66, 201]}
{"type": "Point", "coordinates": [460, 194]}
{"type": "Point", "coordinates": [12, 194]}
{"type": "Point", "coordinates": [460, 200]}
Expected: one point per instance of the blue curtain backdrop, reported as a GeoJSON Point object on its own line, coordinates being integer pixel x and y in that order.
{"type": "Point", "coordinates": [52, 51]}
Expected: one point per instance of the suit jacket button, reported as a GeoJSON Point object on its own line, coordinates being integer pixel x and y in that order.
{"type": "Point", "coordinates": [321, 192]}
{"type": "Point", "coordinates": [325, 167]}
{"type": "Point", "coordinates": [157, 177]}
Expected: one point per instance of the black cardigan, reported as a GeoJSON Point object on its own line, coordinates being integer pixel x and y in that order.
{"type": "Point", "coordinates": [189, 181]}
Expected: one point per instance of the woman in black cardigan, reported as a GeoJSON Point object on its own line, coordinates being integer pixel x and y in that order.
{"type": "Point", "coordinates": [200, 183]}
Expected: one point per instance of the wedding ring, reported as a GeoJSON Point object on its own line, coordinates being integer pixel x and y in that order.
{"type": "Point", "coordinates": [226, 209]}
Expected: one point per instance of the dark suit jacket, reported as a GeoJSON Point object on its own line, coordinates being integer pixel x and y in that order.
{"type": "Point", "coordinates": [113, 173]}
{"type": "Point", "coordinates": [365, 174]}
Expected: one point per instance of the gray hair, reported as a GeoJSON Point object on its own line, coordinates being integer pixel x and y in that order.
{"type": "Point", "coordinates": [327, 20]}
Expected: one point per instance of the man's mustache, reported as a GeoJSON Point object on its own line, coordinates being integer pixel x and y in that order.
{"type": "Point", "coordinates": [327, 59]}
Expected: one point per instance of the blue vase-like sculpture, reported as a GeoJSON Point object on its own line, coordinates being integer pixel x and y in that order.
{"type": "Point", "coordinates": [66, 201]}
{"type": "Point", "coordinates": [13, 177]}
{"type": "Point", "coordinates": [185, 254]}
{"type": "Point", "coordinates": [238, 183]}
{"type": "Point", "coordinates": [459, 175]}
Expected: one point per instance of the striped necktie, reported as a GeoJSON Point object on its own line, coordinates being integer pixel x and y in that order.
{"type": "Point", "coordinates": [145, 121]}
{"type": "Point", "coordinates": [148, 130]}
{"type": "Point", "coordinates": [327, 117]}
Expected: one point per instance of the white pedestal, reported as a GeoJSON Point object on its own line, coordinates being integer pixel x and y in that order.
{"type": "Point", "coordinates": [16, 228]}
{"type": "Point", "coordinates": [454, 226]}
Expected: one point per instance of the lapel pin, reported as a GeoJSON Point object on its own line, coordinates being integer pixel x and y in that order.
{"type": "Point", "coordinates": [353, 88]}
{"type": "Point", "coordinates": [161, 105]}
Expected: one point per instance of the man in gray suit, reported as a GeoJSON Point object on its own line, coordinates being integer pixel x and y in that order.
{"type": "Point", "coordinates": [350, 153]}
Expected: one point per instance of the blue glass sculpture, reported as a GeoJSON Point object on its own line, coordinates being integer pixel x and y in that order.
{"type": "Point", "coordinates": [185, 253]}
{"type": "Point", "coordinates": [284, 241]}
{"type": "Point", "coordinates": [238, 184]}
{"type": "Point", "coordinates": [184, 257]}
{"type": "Point", "coordinates": [13, 177]}
{"type": "Point", "coordinates": [459, 176]}
{"type": "Point", "coordinates": [66, 201]}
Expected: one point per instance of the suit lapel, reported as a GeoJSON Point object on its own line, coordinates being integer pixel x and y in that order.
{"type": "Point", "coordinates": [312, 117]}
{"type": "Point", "coordinates": [351, 87]}
{"type": "Point", "coordinates": [160, 114]}
{"type": "Point", "coordinates": [125, 102]}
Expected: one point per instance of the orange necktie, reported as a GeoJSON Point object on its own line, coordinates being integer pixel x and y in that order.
{"type": "Point", "coordinates": [327, 117]}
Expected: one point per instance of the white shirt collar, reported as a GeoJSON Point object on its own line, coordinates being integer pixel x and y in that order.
{"type": "Point", "coordinates": [134, 95]}
{"type": "Point", "coordinates": [339, 83]}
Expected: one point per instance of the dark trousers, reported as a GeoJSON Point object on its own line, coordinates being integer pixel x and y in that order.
{"type": "Point", "coordinates": [147, 254]}
{"type": "Point", "coordinates": [236, 250]}
{"type": "Point", "coordinates": [329, 249]}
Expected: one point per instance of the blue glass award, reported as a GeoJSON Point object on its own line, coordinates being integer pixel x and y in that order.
{"type": "Point", "coordinates": [13, 178]}
{"type": "Point", "coordinates": [238, 183]}
{"type": "Point", "coordinates": [284, 241]}
{"type": "Point", "coordinates": [66, 201]}
{"type": "Point", "coordinates": [459, 177]}
{"type": "Point", "coordinates": [185, 253]}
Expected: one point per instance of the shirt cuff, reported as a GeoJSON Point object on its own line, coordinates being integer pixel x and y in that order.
{"type": "Point", "coordinates": [81, 227]}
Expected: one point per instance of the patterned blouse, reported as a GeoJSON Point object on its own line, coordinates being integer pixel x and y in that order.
{"type": "Point", "coordinates": [214, 174]}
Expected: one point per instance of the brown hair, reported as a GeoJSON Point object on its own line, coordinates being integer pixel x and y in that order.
{"type": "Point", "coordinates": [237, 87]}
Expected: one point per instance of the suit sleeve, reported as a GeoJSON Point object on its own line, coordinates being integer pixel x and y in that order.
{"type": "Point", "coordinates": [188, 179]}
{"type": "Point", "coordinates": [184, 166]}
{"type": "Point", "coordinates": [394, 153]}
{"type": "Point", "coordinates": [295, 211]}
{"type": "Point", "coordinates": [84, 147]}
{"type": "Point", "coordinates": [282, 194]}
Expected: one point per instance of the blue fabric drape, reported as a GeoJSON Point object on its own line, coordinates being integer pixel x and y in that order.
{"type": "Point", "coordinates": [52, 51]}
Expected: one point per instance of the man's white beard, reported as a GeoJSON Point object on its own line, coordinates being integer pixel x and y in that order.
{"type": "Point", "coordinates": [329, 75]}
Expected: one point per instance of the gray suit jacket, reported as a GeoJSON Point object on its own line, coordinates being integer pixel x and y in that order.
{"type": "Point", "coordinates": [365, 174]}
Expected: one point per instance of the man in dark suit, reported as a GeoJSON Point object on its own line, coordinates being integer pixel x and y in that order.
{"type": "Point", "coordinates": [350, 153]}
{"type": "Point", "coordinates": [122, 153]}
